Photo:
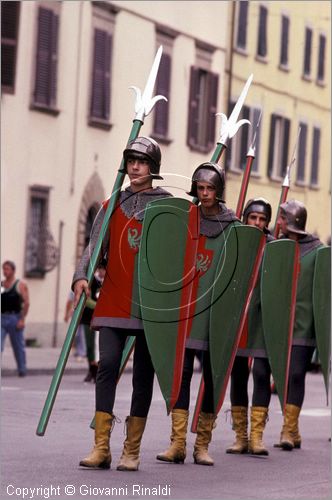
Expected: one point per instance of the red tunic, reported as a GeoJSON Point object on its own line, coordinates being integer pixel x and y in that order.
{"type": "Point", "coordinates": [118, 302]}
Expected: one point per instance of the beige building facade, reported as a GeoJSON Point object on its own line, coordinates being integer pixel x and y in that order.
{"type": "Point", "coordinates": [286, 45]}
{"type": "Point", "coordinates": [66, 116]}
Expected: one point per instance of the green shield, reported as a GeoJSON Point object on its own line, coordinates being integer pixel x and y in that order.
{"type": "Point", "coordinates": [278, 298]}
{"type": "Point", "coordinates": [322, 309]}
{"type": "Point", "coordinates": [235, 279]}
{"type": "Point", "coordinates": [166, 270]}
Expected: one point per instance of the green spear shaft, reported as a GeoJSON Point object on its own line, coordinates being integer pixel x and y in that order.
{"type": "Point", "coordinates": [143, 106]}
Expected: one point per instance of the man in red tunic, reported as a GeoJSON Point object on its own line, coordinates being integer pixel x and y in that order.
{"type": "Point", "coordinates": [117, 312]}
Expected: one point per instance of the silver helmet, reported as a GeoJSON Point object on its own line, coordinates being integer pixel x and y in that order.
{"type": "Point", "coordinates": [212, 173]}
{"type": "Point", "coordinates": [296, 216]}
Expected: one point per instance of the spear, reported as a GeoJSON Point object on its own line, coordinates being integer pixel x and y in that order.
{"type": "Point", "coordinates": [143, 105]}
{"type": "Point", "coordinates": [229, 127]}
{"type": "Point", "coordinates": [285, 186]}
{"type": "Point", "coordinates": [246, 175]}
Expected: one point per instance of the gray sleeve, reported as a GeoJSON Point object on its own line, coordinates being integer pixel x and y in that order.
{"type": "Point", "coordinates": [82, 267]}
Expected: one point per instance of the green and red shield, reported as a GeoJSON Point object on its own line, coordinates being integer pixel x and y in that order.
{"type": "Point", "coordinates": [322, 309]}
{"type": "Point", "coordinates": [235, 279]}
{"type": "Point", "coordinates": [167, 261]}
{"type": "Point", "coordinates": [278, 298]}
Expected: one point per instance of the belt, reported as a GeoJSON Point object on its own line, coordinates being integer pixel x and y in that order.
{"type": "Point", "coordinates": [10, 312]}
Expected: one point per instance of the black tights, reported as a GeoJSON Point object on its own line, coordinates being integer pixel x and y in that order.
{"type": "Point", "coordinates": [111, 345]}
{"type": "Point", "coordinates": [239, 382]}
{"type": "Point", "coordinates": [299, 364]}
{"type": "Point", "coordinates": [188, 368]}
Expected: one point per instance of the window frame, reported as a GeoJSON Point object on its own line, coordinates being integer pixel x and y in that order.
{"type": "Point", "coordinates": [238, 47]}
{"type": "Point", "coordinates": [52, 106]}
{"type": "Point", "coordinates": [38, 193]}
{"type": "Point", "coordinates": [103, 20]}
{"type": "Point", "coordinates": [276, 168]}
{"type": "Point", "coordinates": [235, 152]}
{"type": "Point", "coordinates": [161, 113]}
{"type": "Point", "coordinates": [262, 57]}
{"type": "Point", "coordinates": [301, 156]}
{"type": "Point", "coordinates": [307, 59]}
{"type": "Point", "coordinates": [284, 65]}
{"type": "Point", "coordinates": [315, 156]}
{"type": "Point", "coordinates": [13, 42]}
{"type": "Point", "coordinates": [321, 81]}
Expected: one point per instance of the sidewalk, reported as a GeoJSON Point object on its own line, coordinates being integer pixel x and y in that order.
{"type": "Point", "coordinates": [42, 360]}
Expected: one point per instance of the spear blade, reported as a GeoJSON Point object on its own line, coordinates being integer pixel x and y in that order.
{"type": "Point", "coordinates": [144, 101]}
{"type": "Point", "coordinates": [252, 147]}
{"type": "Point", "coordinates": [229, 126]}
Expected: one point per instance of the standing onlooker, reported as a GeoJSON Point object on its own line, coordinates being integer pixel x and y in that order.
{"type": "Point", "coordinates": [14, 308]}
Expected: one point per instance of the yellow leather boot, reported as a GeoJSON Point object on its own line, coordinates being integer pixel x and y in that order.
{"type": "Point", "coordinates": [100, 457]}
{"type": "Point", "coordinates": [240, 426]}
{"type": "Point", "coordinates": [290, 437]}
{"type": "Point", "coordinates": [257, 421]}
{"type": "Point", "coordinates": [176, 453]}
{"type": "Point", "coordinates": [206, 422]}
{"type": "Point", "coordinates": [129, 460]}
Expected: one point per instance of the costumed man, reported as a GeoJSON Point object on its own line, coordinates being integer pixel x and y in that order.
{"type": "Point", "coordinates": [117, 312]}
{"type": "Point", "coordinates": [208, 185]}
{"type": "Point", "coordinates": [257, 212]}
{"type": "Point", "coordinates": [292, 219]}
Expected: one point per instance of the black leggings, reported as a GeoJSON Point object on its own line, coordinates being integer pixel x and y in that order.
{"type": "Point", "coordinates": [188, 368]}
{"type": "Point", "coordinates": [239, 382]}
{"type": "Point", "coordinates": [299, 364]}
{"type": "Point", "coordinates": [111, 345]}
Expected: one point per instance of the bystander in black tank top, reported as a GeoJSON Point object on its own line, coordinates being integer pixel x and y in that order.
{"type": "Point", "coordinates": [11, 300]}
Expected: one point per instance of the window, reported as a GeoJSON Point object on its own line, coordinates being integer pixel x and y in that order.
{"type": "Point", "coordinates": [301, 155]}
{"type": "Point", "coordinates": [9, 37]}
{"type": "Point", "coordinates": [100, 95]}
{"type": "Point", "coordinates": [41, 253]}
{"type": "Point", "coordinates": [284, 42]}
{"type": "Point", "coordinates": [315, 157]}
{"type": "Point", "coordinates": [165, 37]}
{"type": "Point", "coordinates": [45, 89]}
{"type": "Point", "coordinates": [238, 147]}
{"type": "Point", "coordinates": [307, 53]}
{"type": "Point", "coordinates": [321, 59]}
{"type": "Point", "coordinates": [202, 101]}
{"type": "Point", "coordinates": [241, 35]}
{"type": "Point", "coordinates": [262, 32]}
{"type": "Point", "coordinates": [10, 13]}
{"type": "Point", "coordinates": [278, 147]}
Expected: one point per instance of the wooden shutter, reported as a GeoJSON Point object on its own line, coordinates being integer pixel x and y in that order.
{"type": "Point", "coordinates": [46, 66]}
{"type": "Point", "coordinates": [300, 174]}
{"type": "Point", "coordinates": [9, 37]}
{"type": "Point", "coordinates": [212, 85]}
{"type": "Point", "coordinates": [244, 137]}
{"type": "Point", "coordinates": [192, 130]}
{"type": "Point", "coordinates": [321, 58]}
{"type": "Point", "coordinates": [241, 40]}
{"type": "Point", "coordinates": [262, 40]}
{"type": "Point", "coordinates": [256, 113]}
{"type": "Point", "coordinates": [271, 145]}
{"type": "Point", "coordinates": [284, 40]}
{"type": "Point", "coordinates": [101, 76]}
{"type": "Point", "coordinates": [315, 157]}
{"type": "Point", "coordinates": [285, 146]}
{"type": "Point", "coordinates": [161, 115]}
{"type": "Point", "coordinates": [307, 51]}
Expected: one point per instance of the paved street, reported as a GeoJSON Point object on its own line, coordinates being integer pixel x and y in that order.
{"type": "Point", "coordinates": [29, 461]}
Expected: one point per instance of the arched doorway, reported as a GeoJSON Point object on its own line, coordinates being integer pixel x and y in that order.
{"type": "Point", "coordinates": [92, 197]}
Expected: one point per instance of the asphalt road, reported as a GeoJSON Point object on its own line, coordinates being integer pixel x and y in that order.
{"type": "Point", "coordinates": [35, 467]}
